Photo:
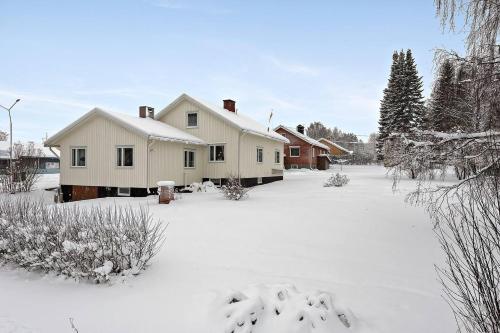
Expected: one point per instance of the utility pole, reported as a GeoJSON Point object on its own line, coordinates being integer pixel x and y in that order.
{"type": "Point", "coordinates": [11, 165]}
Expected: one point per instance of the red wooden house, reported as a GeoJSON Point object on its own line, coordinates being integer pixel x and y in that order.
{"type": "Point", "coordinates": [303, 151]}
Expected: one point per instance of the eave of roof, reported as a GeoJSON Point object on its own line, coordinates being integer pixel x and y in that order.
{"type": "Point", "coordinates": [336, 145]}
{"type": "Point", "coordinates": [303, 137]}
{"type": "Point", "coordinates": [133, 127]}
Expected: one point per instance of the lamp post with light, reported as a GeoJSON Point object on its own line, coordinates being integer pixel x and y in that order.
{"type": "Point", "coordinates": [10, 136]}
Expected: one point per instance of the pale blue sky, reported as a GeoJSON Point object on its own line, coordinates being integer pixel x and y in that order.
{"type": "Point", "coordinates": [308, 60]}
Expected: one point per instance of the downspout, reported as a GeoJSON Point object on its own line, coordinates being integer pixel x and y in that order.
{"type": "Point", "coordinates": [53, 152]}
{"type": "Point", "coordinates": [311, 160]}
{"type": "Point", "coordinates": [242, 133]}
{"type": "Point", "coordinates": [148, 147]}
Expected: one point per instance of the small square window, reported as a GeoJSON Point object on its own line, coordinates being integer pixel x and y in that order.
{"type": "Point", "coordinates": [259, 180]}
{"type": "Point", "coordinates": [216, 153]}
{"type": "Point", "coordinates": [294, 151]}
{"type": "Point", "coordinates": [124, 156]}
{"type": "Point", "coordinates": [192, 119]}
{"type": "Point", "coordinates": [79, 157]}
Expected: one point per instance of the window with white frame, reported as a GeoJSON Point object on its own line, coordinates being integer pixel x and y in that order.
{"type": "Point", "coordinates": [192, 119]}
{"type": "Point", "coordinates": [189, 159]}
{"type": "Point", "coordinates": [124, 191]}
{"type": "Point", "coordinates": [124, 156]}
{"type": "Point", "coordinates": [260, 154]}
{"type": "Point", "coordinates": [79, 157]}
{"type": "Point", "coordinates": [277, 157]}
{"type": "Point", "coordinates": [294, 151]}
{"type": "Point", "coordinates": [294, 166]}
{"type": "Point", "coordinates": [216, 153]}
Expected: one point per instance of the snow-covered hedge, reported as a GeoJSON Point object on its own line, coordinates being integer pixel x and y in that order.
{"type": "Point", "coordinates": [233, 190]}
{"type": "Point", "coordinates": [337, 180]}
{"type": "Point", "coordinates": [94, 243]}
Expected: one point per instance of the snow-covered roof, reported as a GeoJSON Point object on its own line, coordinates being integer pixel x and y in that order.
{"type": "Point", "coordinates": [303, 137]}
{"type": "Point", "coordinates": [336, 145]}
{"type": "Point", "coordinates": [40, 150]}
{"type": "Point", "coordinates": [238, 120]}
{"type": "Point", "coordinates": [143, 126]}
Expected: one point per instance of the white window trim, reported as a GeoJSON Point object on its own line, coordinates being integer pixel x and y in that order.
{"type": "Point", "coordinates": [279, 152]}
{"type": "Point", "coordinates": [257, 152]}
{"type": "Point", "coordinates": [71, 157]}
{"type": "Point", "coordinates": [197, 119]}
{"type": "Point", "coordinates": [123, 155]}
{"type": "Point", "coordinates": [290, 148]}
{"type": "Point", "coordinates": [259, 180]}
{"type": "Point", "coordinates": [184, 159]}
{"type": "Point", "coordinates": [123, 194]}
{"type": "Point", "coordinates": [213, 145]}
{"type": "Point", "coordinates": [294, 166]}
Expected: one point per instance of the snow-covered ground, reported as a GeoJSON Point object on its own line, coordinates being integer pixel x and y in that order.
{"type": "Point", "coordinates": [360, 242]}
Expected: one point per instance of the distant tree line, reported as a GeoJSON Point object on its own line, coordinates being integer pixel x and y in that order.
{"type": "Point", "coordinates": [363, 153]}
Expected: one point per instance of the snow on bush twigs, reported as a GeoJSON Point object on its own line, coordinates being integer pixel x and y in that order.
{"type": "Point", "coordinates": [94, 243]}
{"type": "Point", "coordinates": [336, 180]}
{"type": "Point", "coordinates": [233, 190]}
{"type": "Point", "coordinates": [280, 309]}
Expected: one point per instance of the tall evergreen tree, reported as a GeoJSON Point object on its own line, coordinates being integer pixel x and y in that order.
{"type": "Point", "coordinates": [412, 115]}
{"type": "Point", "coordinates": [443, 105]}
{"type": "Point", "coordinates": [387, 104]}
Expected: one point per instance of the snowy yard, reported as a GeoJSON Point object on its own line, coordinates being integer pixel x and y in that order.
{"type": "Point", "coordinates": [360, 242]}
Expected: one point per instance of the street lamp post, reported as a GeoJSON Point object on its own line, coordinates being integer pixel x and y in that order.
{"type": "Point", "coordinates": [10, 137]}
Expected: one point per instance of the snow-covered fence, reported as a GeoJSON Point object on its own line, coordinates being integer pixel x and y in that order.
{"type": "Point", "coordinates": [94, 243]}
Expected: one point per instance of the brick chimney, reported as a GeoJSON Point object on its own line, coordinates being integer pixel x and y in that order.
{"type": "Point", "coordinates": [230, 105]}
{"type": "Point", "coordinates": [300, 129]}
{"type": "Point", "coordinates": [146, 111]}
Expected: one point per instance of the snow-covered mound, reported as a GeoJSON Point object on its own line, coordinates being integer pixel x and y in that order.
{"type": "Point", "coordinates": [280, 309]}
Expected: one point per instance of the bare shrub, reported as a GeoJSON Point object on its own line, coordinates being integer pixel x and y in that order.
{"type": "Point", "coordinates": [337, 180]}
{"type": "Point", "coordinates": [23, 174]}
{"type": "Point", "coordinates": [94, 243]}
{"type": "Point", "coordinates": [233, 190]}
{"type": "Point", "coordinates": [468, 228]}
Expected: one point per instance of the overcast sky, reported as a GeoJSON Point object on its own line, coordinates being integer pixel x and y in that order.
{"type": "Point", "coordinates": [307, 60]}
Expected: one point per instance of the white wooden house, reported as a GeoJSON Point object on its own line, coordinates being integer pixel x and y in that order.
{"type": "Point", "coordinates": [106, 153]}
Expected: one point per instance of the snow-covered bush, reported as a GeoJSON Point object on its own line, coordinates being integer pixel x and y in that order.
{"type": "Point", "coordinates": [280, 308]}
{"type": "Point", "coordinates": [94, 243]}
{"type": "Point", "coordinates": [336, 180]}
{"type": "Point", "coordinates": [233, 190]}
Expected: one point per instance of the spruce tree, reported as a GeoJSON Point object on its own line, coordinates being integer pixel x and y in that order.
{"type": "Point", "coordinates": [412, 116]}
{"type": "Point", "coordinates": [444, 115]}
{"type": "Point", "coordinates": [387, 106]}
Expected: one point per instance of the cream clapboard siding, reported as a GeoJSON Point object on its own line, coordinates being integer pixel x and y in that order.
{"type": "Point", "coordinates": [101, 136]}
{"type": "Point", "coordinates": [167, 163]}
{"type": "Point", "coordinates": [249, 166]}
{"type": "Point", "coordinates": [213, 129]}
